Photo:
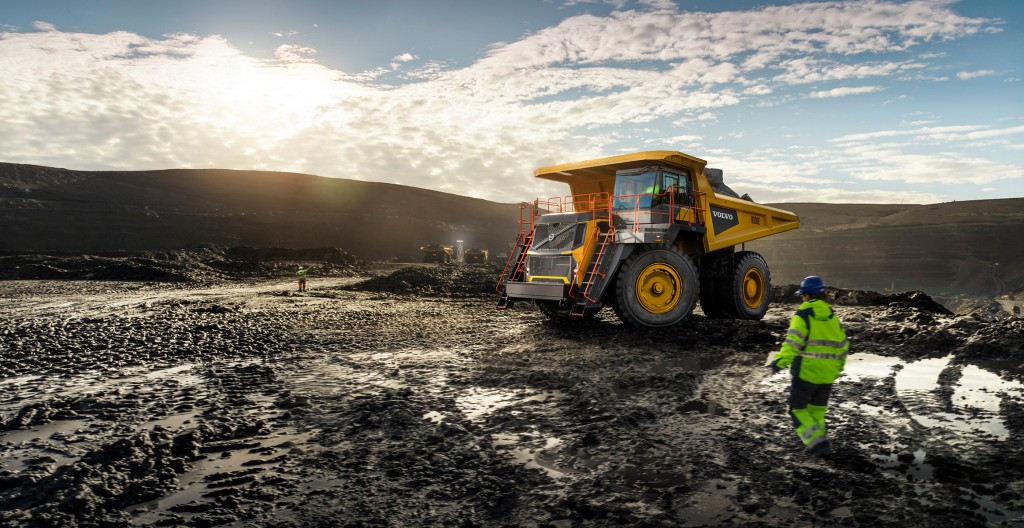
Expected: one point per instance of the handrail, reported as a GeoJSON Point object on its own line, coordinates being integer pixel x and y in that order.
{"type": "Point", "coordinates": [523, 240]}
{"type": "Point", "coordinates": [602, 205]}
{"type": "Point", "coordinates": [633, 215]}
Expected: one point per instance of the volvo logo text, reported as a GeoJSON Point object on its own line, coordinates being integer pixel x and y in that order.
{"type": "Point", "coordinates": [724, 216]}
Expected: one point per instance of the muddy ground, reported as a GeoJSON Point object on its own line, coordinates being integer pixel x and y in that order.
{"type": "Point", "coordinates": [408, 399]}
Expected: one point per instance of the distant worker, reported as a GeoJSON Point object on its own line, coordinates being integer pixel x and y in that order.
{"type": "Point", "coordinates": [814, 350]}
{"type": "Point", "coordinates": [302, 278]}
{"type": "Point", "coordinates": [1016, 310]}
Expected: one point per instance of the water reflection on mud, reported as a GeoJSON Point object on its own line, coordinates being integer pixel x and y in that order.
{"type": "Point", "coordinates": [965, 402]}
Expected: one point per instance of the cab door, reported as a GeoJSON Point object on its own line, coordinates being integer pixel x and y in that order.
{"type": "Point", "coordinates": [679, 187]}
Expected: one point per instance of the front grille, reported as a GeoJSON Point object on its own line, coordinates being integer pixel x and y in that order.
{"type": "Point", "coordinates": [550, 266]}
{"type": "Point", "coordinates": [556, 237]}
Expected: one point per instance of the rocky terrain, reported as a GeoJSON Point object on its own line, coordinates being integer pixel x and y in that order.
{"type": "Point", "coordinates": [400, 396]}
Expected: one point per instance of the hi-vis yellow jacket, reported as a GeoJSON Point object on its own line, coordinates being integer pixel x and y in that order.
{"type": "Point", "coordinates": [815, 348]}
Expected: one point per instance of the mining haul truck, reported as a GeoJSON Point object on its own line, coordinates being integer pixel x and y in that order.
{"type": "Point", "coordinates": [437, 253]}
{"type": "Point", "coordinates": [645, 234]}
{"type": "Point", "coordinates": [477, 256]}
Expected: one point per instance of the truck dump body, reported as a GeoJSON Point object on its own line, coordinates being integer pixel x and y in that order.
{"type": "Point", "coordinates": [732, 220]}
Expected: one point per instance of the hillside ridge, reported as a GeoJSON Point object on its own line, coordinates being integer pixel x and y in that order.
{"type": "Point", "coordinates": [946, 248]}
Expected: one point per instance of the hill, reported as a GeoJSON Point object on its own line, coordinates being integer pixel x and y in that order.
{"type": "Point", "coordinates": [964, 247]}
{"type": "Point", "coordinates": [959, 247]}
{"type": "Point", "coordinates": [43, 208]}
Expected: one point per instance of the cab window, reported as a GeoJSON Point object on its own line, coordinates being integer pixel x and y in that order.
{"type": "Point", "coordinates": [632, 184]}
{"type": "Point", "coordinates": [681, 183]}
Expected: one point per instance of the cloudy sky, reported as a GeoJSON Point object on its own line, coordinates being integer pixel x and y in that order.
{"type": "Point", "coordinates": [874, 101]}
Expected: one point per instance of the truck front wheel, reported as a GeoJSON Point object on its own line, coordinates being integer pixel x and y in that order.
{"type": "Point", "coordinates": [656, 288]}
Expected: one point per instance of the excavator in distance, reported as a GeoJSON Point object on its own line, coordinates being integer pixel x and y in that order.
{"type": "Point", "coordinates": [645, 234]}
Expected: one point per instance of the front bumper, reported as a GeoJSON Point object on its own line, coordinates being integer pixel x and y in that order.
{"type": "Point", "coordinates": [547, 291]}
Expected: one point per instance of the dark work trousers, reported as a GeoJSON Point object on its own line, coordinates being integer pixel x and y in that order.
{"type": "Point", "coordinates": [808, 403]}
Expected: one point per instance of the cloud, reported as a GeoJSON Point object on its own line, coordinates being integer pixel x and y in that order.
{"type": "Point", "coordinates": [43, 26]}
{"type": "Point", "coordinates": [963, 76]}
{"type": "Point", "coordinates": [397, 61]}
{"type": "Point", "coordinates": [844, 91]}
{"type": "Point", "coordinates": [811, 70]}
{"type": "Point", "coordinates": [768, 35]}
{"type": "Point", "coordinates": [617, 4]}
{"type": "Point", "coordinates": [944, 133]}
{"type": "Point", "coordinates": [570, 91]}
{"type": "Point", "coordinates": [665, 5]}
{"type": "Point", "coordinates": [932, 169]}
{"type": "Point", "coordinates": [835, 194]}
{"type": "Point", "coordinates": [908, 156]}
{"type": "Point", "coordinates": [291, 53]}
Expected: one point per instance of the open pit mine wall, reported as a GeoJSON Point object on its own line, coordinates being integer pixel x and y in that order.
{"type": "Point", "coordinates": [972, 259]}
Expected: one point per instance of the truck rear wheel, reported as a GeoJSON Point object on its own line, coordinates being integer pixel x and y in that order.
{"type": "Point", "coordinates": [747, 294]}
{"type": "Point", "coordinates": [656, 288]}
{"type": "Point", "coordinates": [709, 298]}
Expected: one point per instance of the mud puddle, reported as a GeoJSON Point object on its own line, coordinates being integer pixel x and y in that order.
{"type": "Point", "coordinates": [225, 466]}
{"type": "Point", "coordinates": [963, 401]}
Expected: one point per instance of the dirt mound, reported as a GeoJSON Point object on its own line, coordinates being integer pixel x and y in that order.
{"type": "Point", "coordinates": [203, 263]}
{"type": "Point", "coordinates": [917, 300]}
{"type": "Point", "coordinates": [451, 280]}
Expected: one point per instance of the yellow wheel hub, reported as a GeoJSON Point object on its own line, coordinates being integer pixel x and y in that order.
{"type": "Point", "coordinates": [659, 288]}
{"type": "Point", "coordinates": [753, 288]}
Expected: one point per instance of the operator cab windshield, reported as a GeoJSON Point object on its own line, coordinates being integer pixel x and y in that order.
{"type": "Point", "coordinates": [633, 184]}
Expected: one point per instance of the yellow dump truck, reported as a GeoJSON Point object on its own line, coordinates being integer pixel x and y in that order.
{"type": "Point", "coordinates": [477, 256]}
{"type": "Point", "coordinates": [645, 234]}
{"type": "Point", "coordinates": [437, 253]}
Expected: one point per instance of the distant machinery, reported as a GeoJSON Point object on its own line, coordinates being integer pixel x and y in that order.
{"type": "Point", "coordinates": [477, 256]}
{"type": "Point", "coordinates": [437, 253]}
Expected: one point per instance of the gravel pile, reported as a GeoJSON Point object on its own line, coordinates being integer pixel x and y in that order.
{"type": "Point", "coordinates": [457, 280]}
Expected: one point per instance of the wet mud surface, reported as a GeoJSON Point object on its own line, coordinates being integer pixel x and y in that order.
{"type": "Point", "coordinates": [407, 399]}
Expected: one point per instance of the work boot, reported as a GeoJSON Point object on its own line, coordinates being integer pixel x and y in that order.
{"type": "Point", "coordinates": [820, 449]}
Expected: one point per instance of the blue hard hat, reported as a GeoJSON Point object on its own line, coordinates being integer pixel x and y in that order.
{"type": "Point", "coordinates": [812, 285]}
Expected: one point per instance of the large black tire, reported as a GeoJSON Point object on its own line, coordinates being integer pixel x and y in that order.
{"type": "Point", "coordinates": [747, 293]}
{"type": "Point", "coordinates": [656, 288]}
{"type": "Point", "coordinates": [709, 296]}
{"type": "Point", "coordinates": [552, 311]}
